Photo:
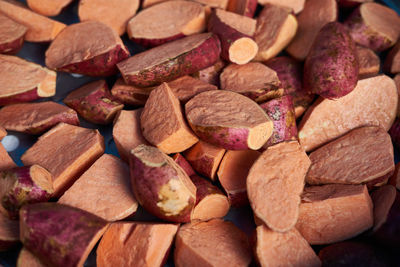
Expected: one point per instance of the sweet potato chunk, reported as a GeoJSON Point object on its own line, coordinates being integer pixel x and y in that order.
{"type": "Point", "coordinates": [187, 87]}
{"type": "Point", "coordinates": [395, 179]}
{"type": "Point", "coordinates": [184, 164]}
{"type": "Point", "coordinates": [3, 132]}
{"type": "Point", "coordinates": [211, 74]}
{"type": "Point", "coordinates": [9, 233]}
{"type": "Point", "coordinates": [130, 94]}
{"type": "Point", "coordinates": [6, 161]}
{"type": "Point", "coordinates": [368, 62]}
{"type": "Point", "coordinates": [27, 259]}
{"type": "Point", "coordinates": [243, 7]}
{"type": "Point", "coordinates": [295, 5]}
{"type": "Point", "coordinates": [221, 4]}
{"type": "Point", "coordinates": [11, 35]}
{"type": "Point", "coordinates": [48, 8]}
{"type": "Point", "coordinates": [392, 61]}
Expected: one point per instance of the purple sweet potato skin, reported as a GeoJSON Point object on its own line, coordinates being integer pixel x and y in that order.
{"type": "Point", "coordinates": [27, 96]}
{"type": "Point", "coordinates": [204, 188]}
{"type": "Point", "coordinates": [156, 42]}
{"type": "Point", "coordinates": [395, 132]}
{"type": "Point", "coordinates": [331, 67]}
{"type": "Point", "coordinates": [58, 234]}
{"type": "Point", "coordinates": [12, 47]}
{"type": "Point", "coordinates": [70, 118]}
{"type": "Point", "coordinates": [184, 164]}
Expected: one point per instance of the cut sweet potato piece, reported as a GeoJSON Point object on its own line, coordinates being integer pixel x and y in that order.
{"type": "Point", "coordinates": [205, 158]}
{"type": "Point", "coordinates": [36, 118]}
{"type": "Point", "coordinates": [212, 243]}
{"type": "Point", "coordinates": [374, 26]}
{"type": "Point", "coordinates": [148, 3]}
{"type": "Point", "coordinates": [171, 61]}
{"type": "Point", "coordinates": [27, 259]}
{"type": "Point", "coordinates": [295, 5]}
{"type": "Point", "coordinates": [66, 151]}
{"type": "Point", "coordinates": [395, 179]}
{"type": "Point", "coordinates": [283, 249]}
{"type": "Point", "coordinates": [24, 81]}
{"type": "Point", "coordinates": [108, 176]}
{"type": "Point", "coordinates": [334, 212]}
{"type": "Point", "coordinates": [397, 82]}
{"type": "Point", "coordinates": [211, 74]}
{"type": "Point", "coordinates": [227, 119]}
{"type": "Point", "coordinates": [127, 133]}
{"type": "Point", "coordinates": [184, 164]}
{"type": "Point", "coordinates": [48, 8]}
{"type": "Point", "coordinates": [254, 80]}
{"type": "Point", "coordinates": [115, 14]}
{"type": "Point", "coordinates": [73, 233]}
{"type": "Point", "coordinates": [221, 4]}
{"type": "Point", "coordinates": [9, 233]}
{"type": "Point", "coordinates": [130, 94]}
{"type": "Point", "coordinates": [363, 155]}
{"type": "Point", "coordinates": [186, 87]}
{"type": "Point", "coordinates": [160, 185]}
{"type": "Point", "coordinates": [277, 178]}
{"type": "Point", "coordinates": [243, 7]}
{"type": "Point", "coordinates": [89, 48]}
{"type": "Point", "coordinates": [11, 35]}
{"type": "Point", "coordinates": [392, 60]}
{"type": "Point", "coordinates": [276, 27]}
{"type": "Point", "coordinates": [373, 102]}
{"type": "Point", "coordinates": [232, 174]}
{"type": "Point", "coordinates": [383, 199]}
{"type": "Point", "coordinates": [6, 161]}
{"type": "Point", "coordinates": [368, 62]}
{"type": "Point", "coordinates": [315, 15]}
{"type": "Point", "coordinates": [135, 244]}
{"type": "Point", "coordinates": [163, 124]}
{"type": "Point", "coordinates": [3, 132]}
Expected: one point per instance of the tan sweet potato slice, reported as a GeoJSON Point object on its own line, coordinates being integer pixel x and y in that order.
{"type": "Point", "coordinates": [9, 233]}
{"type": "Point", "coordinates": [6, 161]}
{"type": "Point", "coordinates": [243, 7]}
{"type": "Point", "coordinates": [295, 5]}
{"type": "Point", "coordinates": [368, 62]}
{"type": "Point", "coordinates": [11, 35]}
{"type": "Point", "coordinates": [315, 15]}
{"type": "Point", "coordinates": [372, 103]}
{"type": "Point", "coordinates": [130, 94]}
{"type": "Point", "coordinates": [48, 8]}
{"type": "Point", "coordinates": [66, 151]}
{"type": "Point", "coordinates": [211, 74]}
{"type": "Point", "coordinates": [27, 259]}
{"type": "Point", "coordinates": [392, 60]}
{"type": "Point", "coordinates": [36, 118]}
{"type": "Point", "coordinates": [335, 212]}
{"type": "Point", "coordinates": [212, 243]}
{"type": "Point", "coordinates": [40, 28]}
{"type": "Point", "coordinates": [135, 244]}
{"type": "Point", "coordinates": [283, 249]}
{"type": "Point", "coordinates": [186, 87]}
{"type": "Point", "coordinates": [275, 183]}
{"type": "Point", "coordinates": [395, 179]}
{"type": "Point", "coordinates": [163, 124]}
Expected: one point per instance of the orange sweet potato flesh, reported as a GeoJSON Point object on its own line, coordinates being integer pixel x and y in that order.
{"type": "Point", "coordinates": [6, 161]}
{"type": "Point", "coordinates": [275, 183]}
{"type": "Point", "coordinates": [9, 233]}
{"type": "Point", "coordinates": [3, 132]}
{"type": "Point", "coordinates": [332, 213]}
{"type": "Point", "coordinates": [27, 259]}
{"type": "Point", "coordinates": [48, 8]}
{"type": "Point", "coordinates": [296, 5]}
{"type": "Point", "coordinates": [395, 179]}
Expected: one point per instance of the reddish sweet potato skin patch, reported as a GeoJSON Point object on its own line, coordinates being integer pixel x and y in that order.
{"type": "Point", "coordinates": [27, 96]}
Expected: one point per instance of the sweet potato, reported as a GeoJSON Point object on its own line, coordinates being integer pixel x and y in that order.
{"type": "Point", "coordinates": [227, 119]}
{"type": "Point", "coordinates": [397, 82]}
{"type": "Point", "coordinates": [220, 4]}
{"type": "Point", "coordinates": [254, 80]}
{"type": "Point", "coordinates": [170, 61]}
{"type": "Point", "coordinates": [232, 174]}
{"type": "Point", "coordinates": [40, 28]}
{"type": "Point", "coordinates": [59, 235]}
{"type": "Point", "coordinates": [27, 259]}
{"type": "Point", "coordinates": [135, 244]}
{"type": "Point", "coordinates": [283, 249]}
{"type": "Point", "coordinates": [205, 158]}
{"type": "Point", "coordinates": [235, 32]}
{"type": "Point", "coordinates": [184, 164]}
{"type": "Point", "coordinates": [66, 151]}
{"type": "Point", "coordinates": [373, 102]}
{"type": "Point", "coordinates": [243, 7]}
{"type": "Point", "coordinates": [368, 62]}
{"type": "Point", "coordinates": [276, 27]}
{"type": "Point", "coordinates": [212, 243]}
{"type": "Point", "coordinates": [277, 178]}
{"type": "Point", "coordinates": [89, 48]}
{"type": "Point", "coordinates": [6, 161]}
{"type": "Point", "coordinates": [36, 118]}
{"type": "Point", "coordinates": [315, 15]}
{"type": "Point", "coordinates": [351, 3]}
{"type": "Point", "coordinates": [374, 26]}
{"type": "Point", "coordinates": [392, 60]}
{"type": "Point", "coordinates": [395, 179]}
{"type": "Point", "coordinates": [3, 132]}
{"type": "Point", "coordinates": [11, 35]}
{"type": "Point", "coordinates": [334, 212]}
{"type": "Point", "coordinates": [24, 81]}
{"type": "Point", "coordinates": [115, 14]}
{"type": "Point", "coordinates": [163, 124]}
{"type": "Point", "coordinates": [295, 5]}
{"type": "Point", "coordinates": [395, 132]}
{"type": "Point", "coordinates": [127, 133]}
{"type": "Point", "coordinates": [130, 94]}
{"type": "Point", "coordinates": [9, 233]}
{"type": "Point", "coordinates": [211, 74]}
{"type": "Point", "coordinates": [158, 24]}
{"type": "Point", "coordinates": [48, 8]}
{"type": "Point", "coordinates": [148, 3]}
{"type": "Point", "coordinates": [186, 87]}
{"type": "Point", "coordinates": [160, 185]}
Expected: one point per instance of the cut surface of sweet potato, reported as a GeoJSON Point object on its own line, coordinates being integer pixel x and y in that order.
{"type": "Point", "coordinates": [48, 8]}
{"type": "Point", "coordinates": [27, 259]}
{"type": "Point", "coordinates": [3, 132]}
{"type": "Point", "coordinates": [243, 7]}
{"type": "Point", "coordinates": [6, 162]}
{"type": "Point", "coordinates": [130, 94]}
{"type": "Point", "coordinates": [295, 5]}
{"type": "Point", "coordinates": [186, 87]}
{"type": "Point", "coordinates": [11, 35]}
{"type": "Point", "coordinates": [368, 62]}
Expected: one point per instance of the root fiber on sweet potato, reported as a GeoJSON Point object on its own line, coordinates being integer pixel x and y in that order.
{"type": "Point", "coordinates": [6, 162]}
{"type": "Point", "coordinates": [392, 60]}
{"type": "Point", "coordinates": [48, 8]}
{"type": "Point", "coordinates": [9, 233]}
{"type": "Point", "coordinates": [243, 7]}
{"type": "Point", "coordinates": [11, 35]}
{"type": "Point", "coordinates": [368, 62]}
{"type": "Point", "coordinates": [27, 259]}
{"type": "Point", "coordinates": [295, 5]}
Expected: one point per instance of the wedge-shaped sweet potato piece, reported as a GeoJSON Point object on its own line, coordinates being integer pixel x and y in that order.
{"type": "Point", "coordinates": [368, 62]}
{"type": "Point", "coordinates": [373, 102]}
{"type": "Point", "coordinates": [186, 87]}
{"type": "Point", "coordinates": [185, 165]}
{"type": "Point", "coordinates": [254, 80]}
{"type": "Point", "coordinates": [66, 151]}
{"type": "Point", "coordinates": [36, 118]}
{"type": "Point", "coordinates": [362, 156]}
{"type": "Point", "coordinates": [392, 60]}
{"type": "Point", "coordinates": [395, 179]}
{"type": "Point", "coordinates": [295, 5]}
{"type": "Point", "coordinates": [130, 94]}
{"type": "Point", "coordinates": [283, 249]}
{"type": "Point", "coordinates": [24, 81]}
{"type": "Point", "coordinates": [27, 259]}
{"type": "Point", "coordinates": [170, 61]}
{"type": "Point", "coordinates": [11, 35]}
{"type": "Point", "coordinates": [90, 48]}
{"type": "Point", "coordinates": [374, 26]}
{"type": "Point", "coordinates": [334, 212]}
{"type": "Point", "coordinates": [274, 185]}
{"type": "Point", "coordinates": [309, 24]}
{"type": "Point", "coordinates": [227, 119]}
{"type": "Point", "coordinates": [48, 8]}
{"type": "Point", "coordinates": [163, 124]}
{"type": "Point", "coordinates": [211, 74]}
{"type": "Point", "coordinates": [221, 4]}
{"type": "Point", "coordinates": [212, 243]}
{"type": "Point", "coordinates": [6, 161]}
{"type": "Point", "coordinates": [108, 176]}
{"type": "Point", "coordinates": [243, 7]}
{"type": "Point", "coordinates": [73, 233]}
{"type": "Point", "coordinates": [160, 185]}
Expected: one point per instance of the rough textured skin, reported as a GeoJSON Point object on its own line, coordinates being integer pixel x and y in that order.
{"type": "Point", "coordinates": [243, 7]}
{"type": "Point", "coordinates": [59, 235]}
{"type": "Point", "coordinates": [26, 96]}
{"type": "Point", "coordinates": [229, 120]}
{"type": "Point", "coordinates": [254, 80]}
{"type": "Point", "coordinates": [284, 249]}
{"type": "Point", "coordinates": [277, 178]}
{"type": "Point", "coordinates": [211, 74]}
{"type": "Point", "coordinates": [296, 5]}
{"type": "Point", "coordinates": [372, 103]}
{"type": "Point", "coordinates": [383, 198]}
{"type": "Point", "coordinates": [360, 156]}
{"type": "Point", "coordinates": [48, 8]}
{"type": "Point", "coordinates": [331, 67]}
{"type": "Point", "coordinates": [36, 118]}
{"type": "Point", "coordinates": [170, 61]}
{"type": "Point", "coordinates": [94, 102]}
{"type": "Point", "coordinates": [332, 213]}
{"type": "Point", "coordinates": [6, 162]}
{"type": "Point", "coordinates": [184, 164]}
{"type": "Point", "coordinates": [368, 62]}
{"type": "Point", "coordinates": [130, 94]}
{"type": "Point", "coordinates": [392, 60]}
{"type": "Point", "coordinates": [9, 233]}
{"type": "Point", "coordinates": [27, 259]}
{"type": "Point", "coordinates": [395, 179]}
{"type": "Point", "coordinates": [213, 243]}
{"type": "Point", "coordinates": [135, 244]}
{"type": "Point", "coordinates": [186, 87]}
{"type": "Point", "coordinates": [160, 185]}
{"type": "Point", "coordinates": [11, 35]}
